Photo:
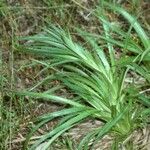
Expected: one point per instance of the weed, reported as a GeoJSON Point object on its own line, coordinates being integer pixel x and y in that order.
{"type": "Point", "coordinates": [96, 79]}
{"type": "Point", "coordinates": [106, 78]}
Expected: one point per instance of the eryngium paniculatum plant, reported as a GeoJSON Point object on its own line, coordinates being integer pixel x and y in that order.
{"type": "Point", "coordinates": [95, 80]}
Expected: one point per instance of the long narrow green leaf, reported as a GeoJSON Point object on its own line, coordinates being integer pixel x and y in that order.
{"type": "Point", "coordinates": [62, 128]}
{"type": "Point", "coordinates": [48, 117]}
{"type": "Point", "coordinates": [50, 98]}
{"type": "Point", "coordinates": [133, 21]}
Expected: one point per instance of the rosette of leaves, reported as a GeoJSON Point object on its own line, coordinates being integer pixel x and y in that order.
{"type": "Point", "coordinates": [97, 84]}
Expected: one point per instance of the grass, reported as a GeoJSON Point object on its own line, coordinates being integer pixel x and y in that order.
{"type": "Point", "coordinates": [99, 85]}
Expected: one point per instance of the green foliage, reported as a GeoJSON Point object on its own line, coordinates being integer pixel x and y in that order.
{"type": "Point", "coordinates": [96, 80]}
{"type": "Point", "coordinates": [139, 47]}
